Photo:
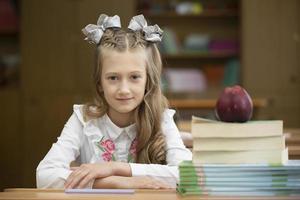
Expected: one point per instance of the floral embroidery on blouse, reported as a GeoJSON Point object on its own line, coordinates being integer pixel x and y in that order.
{"type": "Point", "coordinates": [107, 148]}
{"type": "Point", "coordinates": [132, 151]}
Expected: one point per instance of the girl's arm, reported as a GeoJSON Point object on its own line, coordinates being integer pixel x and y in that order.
{"type": "Point", "coordinates": [87, 173]}
{"type": "Point", "coordinates": [110, 175]}
{"type": "Point", "coordinates": [122, 182]}
{"type": "Point", "coordinates": [54, 169]}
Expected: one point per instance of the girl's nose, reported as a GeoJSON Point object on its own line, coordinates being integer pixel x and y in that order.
{"type": "Point", "coordinates": [124, 87]}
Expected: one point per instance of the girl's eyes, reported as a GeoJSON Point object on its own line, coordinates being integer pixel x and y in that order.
{"type": "Point", "coordinates": [112, 78]}
{"type": "Point", "coordinates": [135, 77]}
{"type": "Point", "coordinates": [132, 77]}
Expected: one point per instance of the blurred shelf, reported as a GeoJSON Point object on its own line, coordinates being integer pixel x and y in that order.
{"type": "Point", "coordinates": [294, 152]}
{"type": "Point", "coordinates": [184, 125]}
{"type": "Point", "coordinates": [199, 55]}
{"type": "Point", "coordinates": [292, 136]}
{"type": "Point", "coordinates": [207, 103]}
{"type": "Point", "coordinates": [292, 139]}
{"type": "Point", "coordinates": [220, 21]}
{"type": "Point", "coordinates": [204, 14]}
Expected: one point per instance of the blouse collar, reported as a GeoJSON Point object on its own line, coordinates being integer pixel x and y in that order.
{"type": "Point", "coordinates": [114, 131]}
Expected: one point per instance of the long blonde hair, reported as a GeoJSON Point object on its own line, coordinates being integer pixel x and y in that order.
{"type": "Point", "coordinates": [148, 115]}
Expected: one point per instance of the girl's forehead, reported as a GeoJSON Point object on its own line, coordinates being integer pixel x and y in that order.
{"type": "Point", "coordinates": [109, 52]}
{"type": "Point", "coordinates": [120, 61]}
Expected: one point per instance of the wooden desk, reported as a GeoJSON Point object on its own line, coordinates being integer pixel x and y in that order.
{"type": "Point", "coordinates": [37, 194]}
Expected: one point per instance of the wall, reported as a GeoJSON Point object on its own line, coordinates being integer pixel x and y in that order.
{"type": "Point", "coordinates": [270, 54]}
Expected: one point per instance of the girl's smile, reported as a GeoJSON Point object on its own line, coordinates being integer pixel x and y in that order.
{"type": "Point", "coordinates": [124, 99]}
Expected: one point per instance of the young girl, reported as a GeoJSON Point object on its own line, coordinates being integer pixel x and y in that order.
{"type": "Point", "coordinates": [127, 138]}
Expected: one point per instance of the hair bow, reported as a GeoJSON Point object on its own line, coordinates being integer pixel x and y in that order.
{"type": "Point", "coordinates": [152, 33]}
{"type": "Point", "coordinates": [94, 32]}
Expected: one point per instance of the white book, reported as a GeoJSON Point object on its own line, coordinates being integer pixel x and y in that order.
{"type": "Point", "coordinates": [210, 128]}
{"type": "Point", "coordinates": [236, 144]}
{"type": "Point", "coordinates": [274, 156]}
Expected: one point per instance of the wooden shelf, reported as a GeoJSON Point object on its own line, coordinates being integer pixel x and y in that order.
{"type": "Point", "coordinates": [204, 14]}
{"type": "Point", "coordinates": [292, 140]}
{"type": "Point", "coordinates": [207, 103]}
{"type": "Point", "coordinates": [292, 136]}
{"type": "Point", "coordinates": [199, 55]}
{"type": "Point", "coordinates": [220, 21]}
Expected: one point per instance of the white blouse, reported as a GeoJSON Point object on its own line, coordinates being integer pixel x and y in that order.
{"type": "Point", "coordinates": [80, 140]}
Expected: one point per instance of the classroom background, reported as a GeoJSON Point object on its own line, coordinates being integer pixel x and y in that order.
{"type": "Point", "coordinates": [46, 66]}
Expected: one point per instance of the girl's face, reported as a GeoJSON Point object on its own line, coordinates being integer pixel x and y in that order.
{"type": "Point", "coordinates": [123, 80]}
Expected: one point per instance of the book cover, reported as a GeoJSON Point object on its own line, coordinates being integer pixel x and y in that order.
{"type": "Point", "coordinates": [210, 128]}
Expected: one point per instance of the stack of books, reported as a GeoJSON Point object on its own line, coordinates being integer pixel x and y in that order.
{"type": "Point", "coordinates": [239, 159]}
{"type": "Point", "coordinates": [240, 179]}
{"type": "Point", "coordinates": [253, 142]}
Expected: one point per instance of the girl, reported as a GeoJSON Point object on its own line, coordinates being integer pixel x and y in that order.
{"type": "Point", "coordinates": [127, 138]}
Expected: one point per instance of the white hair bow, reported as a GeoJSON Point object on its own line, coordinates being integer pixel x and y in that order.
{"type": "Point", "coordinates": [152, 33]}
{"type": "Point", "coordinates": [94, 32]}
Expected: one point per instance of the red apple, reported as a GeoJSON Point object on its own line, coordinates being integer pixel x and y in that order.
{"type": "Point", "coordinates": [234, 105]}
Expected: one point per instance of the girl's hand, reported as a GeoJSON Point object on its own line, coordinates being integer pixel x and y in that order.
{"type": "Point", "coordinates": [121, 182]}
{"type": "Point", "coordinates": [83, 175]}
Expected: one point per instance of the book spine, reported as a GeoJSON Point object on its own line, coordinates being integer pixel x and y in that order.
{"type": "Point", "coordinates": [235, 157]}
{"type": "Point", "coordinates": [239, 144]}
{"type": "Point", "coordinates": [241, 130]}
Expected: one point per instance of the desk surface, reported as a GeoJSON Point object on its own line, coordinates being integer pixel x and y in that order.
{"type": "Point", "coordinates": [14, 194]}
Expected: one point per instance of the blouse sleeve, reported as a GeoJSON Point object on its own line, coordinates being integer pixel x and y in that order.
{"type": "Point", "coordinates": [54, 169]}
{"type": "Point", "coordinates": [176, 152]}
